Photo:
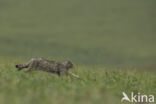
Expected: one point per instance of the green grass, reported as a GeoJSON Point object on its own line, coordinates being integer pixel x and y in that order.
{"type": "Point", "coordinates": [99, 85]}
{"type": "Point", "coordinates": [104, 32]}
{"type": "Point", "coordinates": [95, 34]}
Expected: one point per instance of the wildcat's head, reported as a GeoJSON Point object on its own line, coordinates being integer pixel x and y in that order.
{"type": "Point", "coordinates": [68, 64]}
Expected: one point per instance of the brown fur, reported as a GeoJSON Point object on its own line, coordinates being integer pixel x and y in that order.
{"type": "Point", "coordinates": [48, 66]}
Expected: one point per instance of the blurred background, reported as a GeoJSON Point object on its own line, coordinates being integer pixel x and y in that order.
{"type": "Point", "coordinates": [88, 32]}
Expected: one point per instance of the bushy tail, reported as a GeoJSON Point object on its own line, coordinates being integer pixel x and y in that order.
{"type": "Point", "coordinates": [20, 66]}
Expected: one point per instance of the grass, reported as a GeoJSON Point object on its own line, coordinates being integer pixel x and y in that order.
{"type": "Point", "coordinates": [99, 85]}
{"type": "Point", "coordinates": [99, 36]}
{"type": "Point", "coordinates": [97, 32]}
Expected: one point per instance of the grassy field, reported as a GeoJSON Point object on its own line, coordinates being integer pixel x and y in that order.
{"type": "Point", "coordinates": [104, 32]}
{"type": "Point", "coordinates": [99, 85]}
{"type": "Point", "coordinates": [111, 42]}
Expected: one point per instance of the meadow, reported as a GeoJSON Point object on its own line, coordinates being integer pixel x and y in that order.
{"type": "Point", "coordinates": [111, 43]}
{"type": "Point", "coordinates": [87, 32]}
{"type": "Point", "coordinates": [99, 85]}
